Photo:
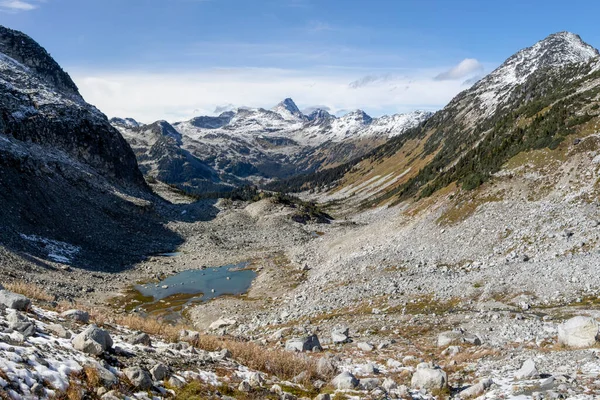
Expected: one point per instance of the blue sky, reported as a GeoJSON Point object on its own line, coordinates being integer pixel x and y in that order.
{"type": "Point", "coordinates": [173, 59]}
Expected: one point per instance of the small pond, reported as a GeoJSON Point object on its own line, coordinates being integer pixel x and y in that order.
{"type": "Point", "coordinates": [202, 284]}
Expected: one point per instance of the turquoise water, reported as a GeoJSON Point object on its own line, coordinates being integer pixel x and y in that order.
{"type": "Point", "coordinates": [207, 283]}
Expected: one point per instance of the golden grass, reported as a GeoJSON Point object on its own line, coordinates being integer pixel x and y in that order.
{"type": "Point", "coordinates": [30, 290]}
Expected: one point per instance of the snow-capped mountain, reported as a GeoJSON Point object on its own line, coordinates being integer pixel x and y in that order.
{"type": "Point", "coordinates": [256, 143]}
{"type": "Point", "coordinates": [554, 52]}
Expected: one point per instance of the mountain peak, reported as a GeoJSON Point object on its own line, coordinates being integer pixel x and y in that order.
{"type": "Point", "coordinates": [359, 116]}
{"type": "Point", "coordinates": [288, 110]}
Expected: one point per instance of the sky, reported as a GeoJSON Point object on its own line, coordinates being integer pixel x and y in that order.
{"type": "Point", "coordinates": [175, 59]}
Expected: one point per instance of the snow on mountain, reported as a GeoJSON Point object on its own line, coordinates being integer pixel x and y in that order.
{"type": "Point", "coordinates": [555, 51]}
{"type": "Point", "coordinates": [125, 122]}
{"type": "Point", "coordinates": [288, 110]}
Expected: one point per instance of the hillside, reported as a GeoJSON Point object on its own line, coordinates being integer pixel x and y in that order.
{"type": "Point", "coordinates": [70, 186]}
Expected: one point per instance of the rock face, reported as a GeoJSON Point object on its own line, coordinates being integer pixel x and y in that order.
{"type": "Point", "coordinates": [428, 377]}
{"type": "Point", "coordinates": [307, 343]}
{"type": "Point", "coordinates": [578, 332]}
{"type": "Point", "coordinates": [14, 300]}
{"type": "Point", "coordinates": [60, 154]}
{"type": "Point", "coordinates": [93, 340]}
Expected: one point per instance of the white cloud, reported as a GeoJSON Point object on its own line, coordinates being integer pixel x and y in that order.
{"type": "Point", "coordinates": [177, 95]}
{"type": "Point", "coordinates": [18, 5]}
{"type": "Point", "coordinates": [466, 67]}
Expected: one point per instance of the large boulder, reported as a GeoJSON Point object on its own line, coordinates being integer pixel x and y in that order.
{"type": "Point", "coordinates": [222, 323]}
{"type": "Point", "coordinates": [139, 377]}
{"type": "Point", "coordinates": [159, 372]}
{"type": "Point", "coordinates": [93, 340]}
{"type": "Point", "coordinates": [20, 323]}
{"type": "Point", "coordinates": [14, 300]}
{"type": "Point", "coordinates": [306, 343]}
{"type": "Point", "coordinates": [345, 381]}
{"type": "Point", "coordinates": [578, 332]}
{"type": "Point", "coordinates": [429, 377]}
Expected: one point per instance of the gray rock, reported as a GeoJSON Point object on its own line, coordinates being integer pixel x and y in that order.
{"type": "Point", "coordinates": [344, 381]}
{"type": "Point", "coordinates": [76, 315]}
{"type": "Point", "coordinates": [323, 396]}
{"type": "Point", "coordinates": [528, 370]}
{"type": "Point", "coordinates": [188, 336]}
{"type": "Point", "coordinates": [455, 337]}
{"type": "Point", "coordinates": [108, 378]}
{"type": "Point", "coordinates": [340, 334]}
{"type": "Point", "coordinates": [476, 390]}
{"type": "Point", "coordinates": [256, 379]}
{"type": "Point", "coordinates": [428, 377]}
{"type": "Point", "coordinates": [141, 339]}
{"type": "Point", "coordinates": [369, 383]}
{"type": "Point", "coordinates": [221, 323]}
{"type": "Point", "coordinates": [371, 369]}
{"type": "Point", "coordinates": [93, 340]}
{"type": "Point", "coordinates": [175, 382]}
{"type": "Point", "coordinates": [578, 332]}
{"type": "Point", "coordinates": [364, 346]}
{"type": "Point", "coordinates": [389, 384]}
{"type": "Point", "coordinates": [306, 343]}
{"type": "Point", "coordinates": [59, 331]}
{"type": "Point", "coordinates": [325, 366]}
{"type": "Point", "coordinates": [14, 300]}
{"type": "Point", "coordinates": [20, 323]}
{"type": "Point", "coordinates": [159, 372]}
{"type": "Point", "coordinates": [138, 377]}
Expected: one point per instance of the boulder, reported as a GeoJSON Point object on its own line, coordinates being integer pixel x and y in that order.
{"type": "Point", "coordinates": [93, 340]}
{"type": "Point", "coordinates": [528, 370]}
{"type": "Point", "coordinates": [14, 300]}
{"type": "Point", "coordinates": [456, 337]}
{"type": "Point", "coordinates": [59, 331]}
{"type": "Point", "coordinates": [244, 387]}
{"type": "Point", "coordinates": [369, 383]}
{"type": "Point", "coordinates": [256, 379]}
{"type": "Point", "coordinates": [159, 372]}
{"type": "Point", "coordinates": [76, 315]}
{"type": "Point", "coordinates": [340, 334]}
{"type": "Point", "coordinates": [364, 346]}
{"type": "Point", "coordinates": [476, 390]}
{"type": "Point", "coordinates": [306, 343]}
{"type": "Point", "coordinates": [175, 382]}
{"type": "Point", "coordinates": [428, 377]}
{"type": "Point", "coordinates": [323, 396]}
{"type": "Point", "coordinates": [20, 323]}
{"type": "Point", "coordinates": [325, 366]}
{"type": "Point", "coordinates": [138, 377]}
{"type": "Point", "coordinates": [141, 339]}
{"type": "Point", "coordinates": [345, 381]}
{"type": "Point", "coordinates": [371, 369]}
{"type": "Point", "coordinates": [221, 323]}
{"type": "Point", "coordinates": [578, 332]}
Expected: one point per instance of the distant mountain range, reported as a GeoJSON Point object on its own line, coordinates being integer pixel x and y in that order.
{"type": "Point", "coordinates": [254, 144]}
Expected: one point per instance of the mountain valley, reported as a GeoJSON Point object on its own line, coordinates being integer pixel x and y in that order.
{"type": "Point", "coordinates": [422, 256]}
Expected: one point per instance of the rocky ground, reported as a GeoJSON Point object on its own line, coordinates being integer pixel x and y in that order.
{"type": "Point", "coordinates": [506, 265]}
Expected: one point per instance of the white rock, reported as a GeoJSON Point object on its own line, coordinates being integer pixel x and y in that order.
{"type": "Point", "coordinates": [528, 370]}
{"type": "Point", "coordinates": [578, 332]}
{"type": "Point", "coordinates": [221, 323]}
{"type": "Point", "coordinates": [344, 381]}
{"type": "Point", "coordinates": [428, 377]}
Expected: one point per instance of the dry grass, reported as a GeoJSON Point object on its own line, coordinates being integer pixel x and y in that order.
{"type": "Point", "coordinates": [151, 326]}
{"type": "Point", "coordinates": [30, 290]}
{"type": "Point", "coordinates": [283, 364]}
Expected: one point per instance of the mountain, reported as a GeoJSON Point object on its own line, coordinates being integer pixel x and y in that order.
{"type": "Point", "coordinates": [254, 144]}
{"type": "Point", "coordinates": [536, 99]}
{"type": "Point", "coordinates": [160, 155]}
{"type": "Point", "coordinates": [70, 187]}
